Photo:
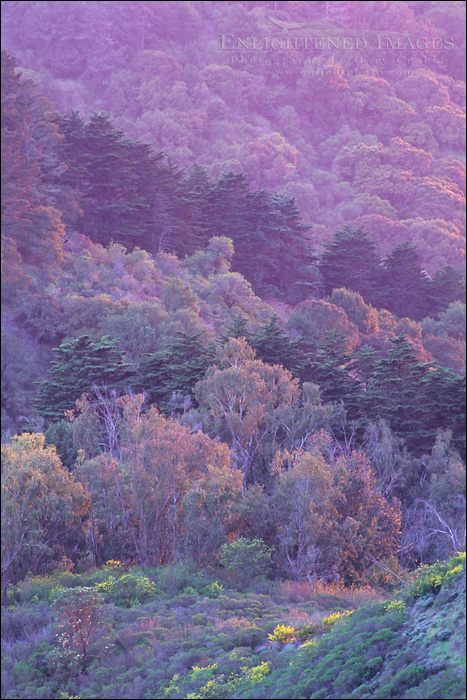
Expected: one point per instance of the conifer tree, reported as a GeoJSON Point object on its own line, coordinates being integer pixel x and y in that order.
{"type": "Point", "coordinates": [274, 346]}
{"type": "Point", "coordinates": [350, 260]}
{"type": "Point", "coordinates": [32, 229]}
{"type": "Point", "coordinates": [448, 285]}
{"type": "Point", "coordinates": [171, 374]}
{"type": "Point", "coordinates": [80, 364]}
{"type": "Point", "coordinates": [330, 368]}
{"type": "Point", "coordinates": [405, 284]}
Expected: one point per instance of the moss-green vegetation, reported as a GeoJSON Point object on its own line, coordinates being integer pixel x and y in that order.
{"type": "Point", "coordinates": [174, 633]}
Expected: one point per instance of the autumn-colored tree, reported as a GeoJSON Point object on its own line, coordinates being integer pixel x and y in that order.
{"type": "Point", "coordinates": [305, 505]}
{"type": "Point", "coordinates": [137, 497]}
{"type": "Point", "coordinates": [369, 523]}
{"type": "Point", "coordinates": [43, 508]}
{"type": "Point", "coordinates": [332, 519]}
{"type": "Point", "coordinates": [243, 397]}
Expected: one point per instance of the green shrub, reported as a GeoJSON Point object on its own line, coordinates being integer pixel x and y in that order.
{"type": "Point", "coordinates": [372, 667]}
{"type": "Point", "coordinates": [334, 618]}
{"type": "Point", "coordinates": [172, 579]}
{"type": "Point", "coordinates": [431, 579]}
{"type": "Point", "coordinates": [213, 590]}
{"type": "Point", "coordinates": [246, 558]}
{"type": "Point", "coordinates": [127, 590]}
{"type": "Point", "coordinates": [189, 590]}
{"type": "Point", "coordinates": [307, 631]}
{"type": "Point", "coordinates": [409, 677]}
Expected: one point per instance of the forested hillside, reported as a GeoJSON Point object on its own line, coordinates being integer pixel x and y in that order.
{"type": "Point", "coordinates": [233, 314]}
{"type": "Point", "coordinates": [371, 138]}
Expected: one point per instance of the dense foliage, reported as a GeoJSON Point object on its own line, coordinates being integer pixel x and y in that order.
{"type": "Point", "coordinates": [173, 633]}
{"type": "Point", "coordinates": [233, 347]}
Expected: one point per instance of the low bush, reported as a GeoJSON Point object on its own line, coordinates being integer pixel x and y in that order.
{"type": "Point", "coordinates": [128, 589]}
{"type": "Point", "coordinates": [282, 634]}
{"type": "Point", "coordinates": [307, 631]}
{"type": "Point", "coordinates": [334, 618]}
{"type": "Point", "coordinates": [430, 579]}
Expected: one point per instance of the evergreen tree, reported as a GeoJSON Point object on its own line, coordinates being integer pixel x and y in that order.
{"type": "Point", "coordinates": [238, 329]}
{"type": "Point", "coordinates": [80, 364]}
{"type": "Point", "coordinates": [396, 394]}
{"type": "Point", "coordinates": [72, 150]}
{"type": "Point", "coordinates": [174, 213]}
{"type": "Point", "coordinates": [330, 369]}
{"type": "Point", "coordinates": [128, 194]}
{"type": "Point", "coordinates": [292, 255]}
{"type": "Point", "coordinates": [448, 285]}
{"type": "Point", "coordinates": [168, 377]}
{"type": "Point", "coordinates": [275, 347]}
{"type": "Point", "coordinates": [198, 188]}
{"type": "Point", "coordinates": [405, 284]}
{"type": "Point", "coordinates": [271, 249]}
{"type": "Point", "coordinates": [32, 230]}
{"type": "Point", "coordinates": [350, 260]}
{"type": "Point", "coordinates": [445, 406]}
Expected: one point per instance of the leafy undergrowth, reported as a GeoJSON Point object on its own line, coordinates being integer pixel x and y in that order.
{"type": "Point", "coordinates": [172, 633]}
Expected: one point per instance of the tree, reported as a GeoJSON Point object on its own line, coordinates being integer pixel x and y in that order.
{"type": "Point", "coordinates": [246, 558]}
{"type": "Point", "coordinates": [414, 398]}
{"type": "Point", "coordinates": [80, 621]}
{"type": "Point", "coordinates": [394, 392]}
{"type": "Point", "coordinates": [127, 194]}
{"type": "Point", "coordinates": [447, 286]}
{"type": "Point", "coordinates": [215, 260]}
{"type": "Point", "coordinates": [137, 499]}
{"type": "Point", "coordinates": [210, 513]}
{"type": "Point", "coordinates": [60, 434]}
{"type": "Point", "coordinates": [304, 504]}
{"type": "Point", "coordinates": [271, 249]}
{"type": "Point", "coordinates": [32, 229]}
{"type": "Point", "coordinates": [42, 508]}
{"type": "Point", "coordinates": [291, 253]}
{"type": "Point", "coordinates": [80, 364]}
{"type": "Point", "coordinates": [312, 319]}
{"type": "Point", "coordinates": [370, 523]}
{"type": "Point", "coordinates": [364, 316]}
{"type": "Point", "coordinates": [332, 519]}
{"type": "Point", "coordinates": [351, 261]}
{"type": "Point", "coordinates": [243, 398]}
{"type": "Point", "coordinates": [170, 375]}
{"type": "Point", "coordinates": [331, 367]}
{"type": "Point", "coordinates": [434, 522]}
{"type": "Point", "coordinates": [405, 286]}
{"type": "Point", "coordinates": [274, 346]}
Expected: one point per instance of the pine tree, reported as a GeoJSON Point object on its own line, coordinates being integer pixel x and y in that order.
{"type": "Point", "coordinates": [274, 346]}
{"type": "Point", "coordinates": [448, 285]}
{"type": "Point", "coordinates": [168, 377]}
{"type": "Point", "coordinates": [350, 260]}
{"type": "Point", "coordinates": [330, 370]}
{"type": "Point", "coordinates": [405, 285]}
{"type": "Point", "coordinates": [292, 254]}
{"type": "Point", "coordinates": [80, 364]}
{"type": "Point", "coordinates": [32, 229]}
{"type": "Point", "coordinates": [271, 249]}
{"type": "Point", "coordinates": [128, 194]}
{"type": "Point", "coordinates": [396, 393]}
{"type": "Point", "coordinates": [238, 329]}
